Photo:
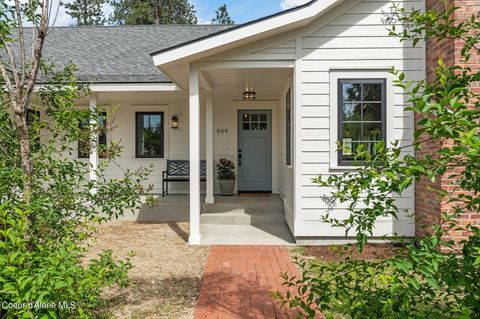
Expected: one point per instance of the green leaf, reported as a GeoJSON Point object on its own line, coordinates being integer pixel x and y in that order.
{"type": "Point", "coordinates": [432, 282]}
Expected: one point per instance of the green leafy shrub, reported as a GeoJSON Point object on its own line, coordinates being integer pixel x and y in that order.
{"type": "Point", "coordinates": [46, 280]}
{"type": "Point", "coordinates": [433, 277]}
{"type": "Point", "coordinates": [417, 282]}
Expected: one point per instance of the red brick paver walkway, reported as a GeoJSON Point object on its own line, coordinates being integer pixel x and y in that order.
{"type": "Point", "coordinates": [238, 282]}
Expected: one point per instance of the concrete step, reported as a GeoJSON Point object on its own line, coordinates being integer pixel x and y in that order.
{"type": "Point", "coordinates": [225, 214]}
{"type": "Point", "coordinates": [265, 234]}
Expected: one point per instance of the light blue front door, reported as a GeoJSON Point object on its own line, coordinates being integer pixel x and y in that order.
{"type": "Point", "coordinates": [255, 150]}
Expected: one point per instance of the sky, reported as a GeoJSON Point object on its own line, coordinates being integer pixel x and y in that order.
{"type": "Point", "coordinates": [240, 11]}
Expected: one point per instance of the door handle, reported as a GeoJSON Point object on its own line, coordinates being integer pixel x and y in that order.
{"type": "Point", "coordinates": [239, 157]}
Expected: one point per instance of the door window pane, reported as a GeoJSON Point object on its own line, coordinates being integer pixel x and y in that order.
{"type": "Point", "coordinates": [149, 134]}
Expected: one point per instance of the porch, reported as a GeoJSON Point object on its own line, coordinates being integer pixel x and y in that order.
{"type": "Point", "coordinates": [213, 121]}
{"type": "Point", "coordinates": [231, 220]}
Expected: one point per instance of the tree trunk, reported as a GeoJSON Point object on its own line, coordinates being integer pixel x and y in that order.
{"type": "Point", "coordinates": [22, 128]}
{"type": "Point", "coordinates": [85, 12]}
{"type": "Point", "coordinates": [158, 11]}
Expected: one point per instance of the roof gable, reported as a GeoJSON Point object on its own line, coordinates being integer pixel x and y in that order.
{"type": "Point", "coordinates": [243, 34]}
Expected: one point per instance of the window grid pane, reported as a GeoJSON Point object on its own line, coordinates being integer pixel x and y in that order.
{"type": "Point", "coordinates": [361, 105]}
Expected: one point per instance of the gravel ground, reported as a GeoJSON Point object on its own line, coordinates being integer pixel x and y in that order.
{"type": "Point", "coordinates": [166, 274]}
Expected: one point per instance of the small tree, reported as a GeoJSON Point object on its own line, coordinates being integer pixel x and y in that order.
{"type": "Point", "coordinates": [433, 277]}
{"type": "Point", "coordinates": [48, 205]}
{"type": "Point", "coordinates": [86, 12]}
{"type": "Point", "coordinates": [222, 16]}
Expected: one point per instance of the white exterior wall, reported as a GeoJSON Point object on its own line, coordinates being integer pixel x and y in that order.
{"type": "Point", "coordinates": [353, 43]}
{"type": "Point", "coordinates": [125, 105]}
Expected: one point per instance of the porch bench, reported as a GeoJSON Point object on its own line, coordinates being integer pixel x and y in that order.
{"type": "Point", "coordinates": [179, 171]}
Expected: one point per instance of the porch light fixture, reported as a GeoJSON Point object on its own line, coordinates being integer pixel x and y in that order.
{"type": "Point", "coordinates": [174, 122]}
{"type": "Point", "coordinates": [249, 94]}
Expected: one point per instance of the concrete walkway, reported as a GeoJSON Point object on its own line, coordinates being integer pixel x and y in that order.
{"type": "Point", "coordinates": [238, 282]}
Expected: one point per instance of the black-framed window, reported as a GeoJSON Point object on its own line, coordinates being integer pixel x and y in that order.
{"type": "Point", "coordinates": [149, 138]}
{"type": "Point", "coordinates": [288, 128]}
{"type": "Point", "coordinates": [361, 116]}
{"type": "Point", "coordinates": [33, 117]}
{"type": "Point", "coordinates": [84, 141]}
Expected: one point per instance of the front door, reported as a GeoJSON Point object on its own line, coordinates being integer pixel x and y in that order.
{"type": "Point", "coordinates": [255, 150]}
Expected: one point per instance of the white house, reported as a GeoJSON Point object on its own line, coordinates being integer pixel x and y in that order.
{"type": "Point", "coordinates": [320, 73]}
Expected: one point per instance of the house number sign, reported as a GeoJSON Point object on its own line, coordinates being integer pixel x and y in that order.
{"type": "Point", "coordinates": [222, 130]}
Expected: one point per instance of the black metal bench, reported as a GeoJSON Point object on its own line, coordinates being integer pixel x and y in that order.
{"type": "Point", "coordinates": [179, 171]}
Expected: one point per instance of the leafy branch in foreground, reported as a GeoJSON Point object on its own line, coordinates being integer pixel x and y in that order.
{"type": "Point", "coordinates": [48, 205]}
{"type": "Point", "coordinates": [432, 277]}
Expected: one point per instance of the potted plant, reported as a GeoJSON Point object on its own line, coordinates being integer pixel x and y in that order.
{"type": "Point", "coordinates": [226, 176]}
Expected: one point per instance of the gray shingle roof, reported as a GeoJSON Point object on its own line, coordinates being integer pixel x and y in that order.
{"type": "Point", "coordinates": [119, 54]}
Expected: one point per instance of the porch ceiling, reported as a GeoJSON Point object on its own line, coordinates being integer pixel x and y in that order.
{"type": "Point", "coordinates": [268, 83]}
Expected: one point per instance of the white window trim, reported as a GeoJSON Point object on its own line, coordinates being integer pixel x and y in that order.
{"type": "Point", "coordinates": [335, 75]}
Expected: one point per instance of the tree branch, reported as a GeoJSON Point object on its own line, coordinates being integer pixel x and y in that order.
{"type": "Point", "coordinates": [13, 65]}
{"type": "Point", "coordinates": [21, 40]}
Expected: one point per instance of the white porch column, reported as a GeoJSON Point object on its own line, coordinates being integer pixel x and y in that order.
{"type": "Point", "coordinates": [194, 141]}
{"type": "Point", "coordinates": [209, 199]}
{"type": "Point", "coordinates": [93, 142]}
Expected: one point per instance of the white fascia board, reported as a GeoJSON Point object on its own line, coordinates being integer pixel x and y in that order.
{"type": "Point", "coordinates": [133, 87]}
{"type": "Point", "coordinates": [249, 32]}
{"type": "Point", "coordinates": [126, 87]}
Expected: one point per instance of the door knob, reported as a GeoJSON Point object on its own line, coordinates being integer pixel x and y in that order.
{"type": "Point", "coordinates": [239, 157]}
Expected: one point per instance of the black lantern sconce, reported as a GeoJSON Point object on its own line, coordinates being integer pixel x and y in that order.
{"type": "Point", "coordinates": [174, 122]}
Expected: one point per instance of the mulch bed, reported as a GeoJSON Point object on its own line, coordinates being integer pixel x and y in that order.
{"type": "Point", "coordinates": [333, 253]}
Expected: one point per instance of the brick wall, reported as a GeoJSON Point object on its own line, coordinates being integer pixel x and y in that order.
{"type": "Point", "coordinates": [428, 208]}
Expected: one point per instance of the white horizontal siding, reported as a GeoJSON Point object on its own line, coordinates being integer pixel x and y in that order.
{"type": "Point", "coordinates": [353, 42]}
{"type": "Point", "coordinates": [365, 53]}
{"type": "Point", "coordinates": [288, 47]}
{"type": "Point", "coordinates": [357, 39]}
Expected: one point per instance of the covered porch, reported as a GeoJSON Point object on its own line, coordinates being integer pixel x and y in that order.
{"type": "Point", "coordinates": [215, 122]}
{"type": "Point", "coordinates": [256, 150]}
